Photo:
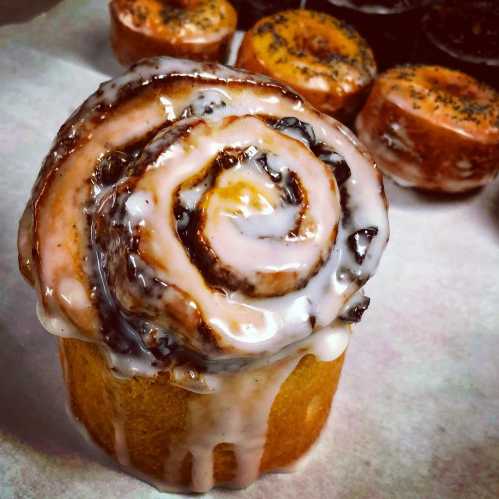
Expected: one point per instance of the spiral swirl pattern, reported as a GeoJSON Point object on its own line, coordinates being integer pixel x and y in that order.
{"type": "Point", "coordinates": [195, 210]}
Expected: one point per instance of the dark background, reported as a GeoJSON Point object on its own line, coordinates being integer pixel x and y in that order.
{"type": "Point", "coordinates": [13, 11]}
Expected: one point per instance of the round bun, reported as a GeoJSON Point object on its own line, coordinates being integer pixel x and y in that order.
{"type": "Point", "coordinates": [138, 419]}
{"type": "Point", "coordinates": [194, 29]}
{"type": "Point", "coordinates": [432, 128]}
{"type": "Point", "coordinates": [322, 58]}
{"type": "Point", "coordinates": [202, 235]}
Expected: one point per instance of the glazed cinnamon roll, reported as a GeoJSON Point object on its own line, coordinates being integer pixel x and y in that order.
{"type": "Point", "coordinates": [199, 237]}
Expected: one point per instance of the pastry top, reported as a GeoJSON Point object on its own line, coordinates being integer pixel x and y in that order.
{"type": "Point", "coordinates": [195, 209]}
{"type": "Point", "coordinates": [184, 21]}
{"type": "Point", "coordinates": [449, 98]}
{"type": "Point", "coordinates": [304, 44]}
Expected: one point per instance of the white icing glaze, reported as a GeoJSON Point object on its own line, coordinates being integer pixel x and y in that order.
{"type": "Point", "coordinates": [233, 417]}
{"type": "Point", "coordinates": [188, 379]}
{"type": "Point", "coordinates": [166, 66]}
{"type": "Point", "coordinates": [250, 255]}
{"type": "Point", "coordinates": [56, 325]}
{"type": "Point", "coordinates": [268, 225]}
{"type": "Point", "coordinates": [237, 412]}
{"type": "Point", "coordinates": [123, 365]}
{"type": "Point", "coordinates": [139, 205]}
{"type": "Point", "coordinates": [58, 263]}
{"type": "Point", "coordinates": [255, 325]}
{"type": "Point", "coordinates": [73, 293]}
{"type": "Point", "coordinates": [127, 366]}
{"type": "Point", "coordinates": [191, 197]}
{"type": "Point", "coordinates": [293, 310]}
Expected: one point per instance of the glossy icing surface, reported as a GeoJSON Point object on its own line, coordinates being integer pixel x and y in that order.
{"type": "Point", "coordinates": [218, 216]}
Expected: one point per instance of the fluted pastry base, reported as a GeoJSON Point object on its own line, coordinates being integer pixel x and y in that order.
{"type": "Point", "coordinates": [141, 420]}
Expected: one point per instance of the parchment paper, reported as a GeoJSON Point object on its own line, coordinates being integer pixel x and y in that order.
{"type": "Point", "coordinates": [417, 410]}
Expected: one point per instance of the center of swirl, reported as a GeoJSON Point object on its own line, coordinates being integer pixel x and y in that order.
{"type": "Point", "coordinates": [220, 220]}
{"type": "Point", "coordinates": [247, 224]}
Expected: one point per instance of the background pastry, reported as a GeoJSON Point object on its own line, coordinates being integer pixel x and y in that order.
{"type": "Point", "coordinates": [196, 29]}
{"type": "Point", "coordinates": [321, 57]}
{"type": "Point", "coordinates": [432, 128]}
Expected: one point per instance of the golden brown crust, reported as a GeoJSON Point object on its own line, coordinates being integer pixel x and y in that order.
{"type": "Point", "coordinates": [155, 413]}
{"type": "Point", "coordinates": [199, 30]}
{"type": "Point", "coordinates": [432, 128]}
{"type": "Point", "coordinates": [322, 58]}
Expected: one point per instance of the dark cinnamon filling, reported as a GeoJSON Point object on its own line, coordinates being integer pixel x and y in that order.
{"type": "Point", "coordinates": [355, 312]}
